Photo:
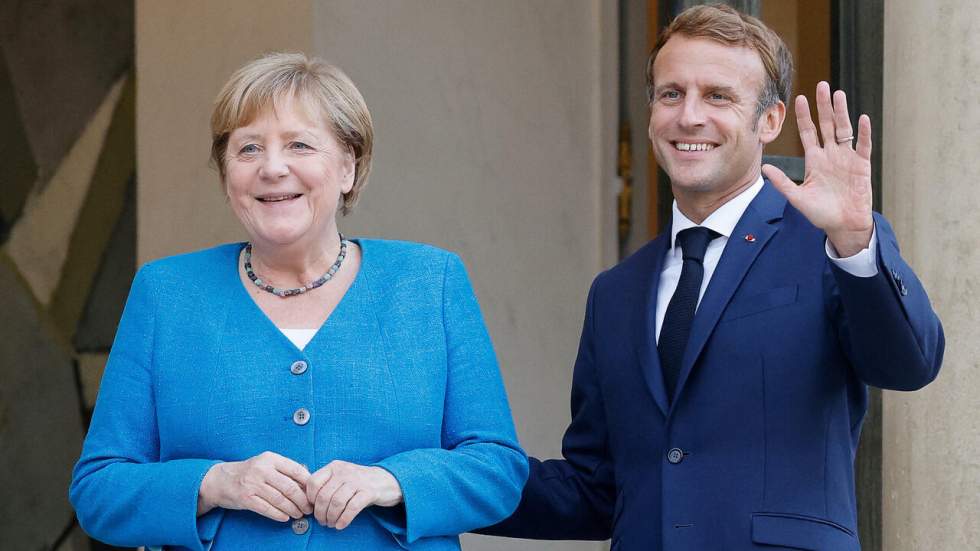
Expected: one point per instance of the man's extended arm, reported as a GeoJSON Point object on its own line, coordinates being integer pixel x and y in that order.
{"type": "Point", "coordinates": [886, 323]}
{"type": "Point", "coordinates": [571, 498]}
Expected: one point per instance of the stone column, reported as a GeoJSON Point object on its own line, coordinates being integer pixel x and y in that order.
{"type": "Point", "coordinates": [931, 130]}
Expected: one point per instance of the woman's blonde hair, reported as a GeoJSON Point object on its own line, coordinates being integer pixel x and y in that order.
{"type": "Point", "coordinates": [322, 88]}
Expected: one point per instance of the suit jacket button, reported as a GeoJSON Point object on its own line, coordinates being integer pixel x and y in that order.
{"type": "Point", "coordinates": [300, 526]}
{"type": "Point", "coordinates": [301, 416]}
{"type": "Point", "coordinates": [675, 455]}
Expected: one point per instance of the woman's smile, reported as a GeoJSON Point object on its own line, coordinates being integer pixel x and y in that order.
{"type": "Point", "coordinates": [286, 176]}
{"type": "Point", "coordinates": [278, 198]}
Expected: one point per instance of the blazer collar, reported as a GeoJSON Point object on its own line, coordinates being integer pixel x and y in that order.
{"type": "Point", "coordinates": [760, 221]}
{"type": "Point", "coordinates": [645, 322]}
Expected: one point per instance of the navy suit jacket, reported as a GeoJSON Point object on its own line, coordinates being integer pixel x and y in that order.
{"type": "Point", "coordinates": [756, 450]}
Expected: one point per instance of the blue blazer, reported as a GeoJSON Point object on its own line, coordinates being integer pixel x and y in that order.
{"type": "Point", "coordinates": [402, 375]}
{"type": "Point", "coordinates": [757, 448]}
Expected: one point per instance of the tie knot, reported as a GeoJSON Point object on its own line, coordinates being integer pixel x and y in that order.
{"type": "Point", "coordinates": [694, 242]}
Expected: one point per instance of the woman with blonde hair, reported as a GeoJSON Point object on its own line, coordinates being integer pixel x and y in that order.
{"type": "Point", "coordinates": [300, 390]}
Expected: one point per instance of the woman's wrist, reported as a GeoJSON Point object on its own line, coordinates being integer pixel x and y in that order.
{"type": "Point", "coordinates": [390, 491]}
{"type": "Point", "coordinates": [206, 495]}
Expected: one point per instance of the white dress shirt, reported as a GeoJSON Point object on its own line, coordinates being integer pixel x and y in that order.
{"type": "Point", "coordinates": [723, 221]}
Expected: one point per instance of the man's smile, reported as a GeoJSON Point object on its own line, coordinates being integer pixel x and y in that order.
{"type": "Point", "coordinates": [693, 146]}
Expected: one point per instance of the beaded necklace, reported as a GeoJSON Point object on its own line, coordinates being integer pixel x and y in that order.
{"type": "Point", "coordinates": [284, 293]}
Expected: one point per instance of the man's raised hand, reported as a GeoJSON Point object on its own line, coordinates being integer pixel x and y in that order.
{"type": "Point", "coordinates": [835, 194]}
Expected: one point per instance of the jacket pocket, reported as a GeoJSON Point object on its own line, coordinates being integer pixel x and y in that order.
{"type": "Point", "coordinates": [774, 298]}
{"type": "Point", "coordinates": [802, 532]}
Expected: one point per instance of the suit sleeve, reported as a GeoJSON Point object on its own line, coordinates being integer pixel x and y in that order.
{"type": "Point", "coordinates": [122, 493]}
{"type": "Point", "coordinates": [572, 498]}
{"type": "Point", "coordinates": [887, 325]}
{"type": "Point", "coordinates": [475, 479]}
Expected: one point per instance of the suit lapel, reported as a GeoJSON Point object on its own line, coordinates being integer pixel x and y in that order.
{"type": "Point", "coordinates": [645, 322]}
{"type": "Point", "coordinates": [760, 220]}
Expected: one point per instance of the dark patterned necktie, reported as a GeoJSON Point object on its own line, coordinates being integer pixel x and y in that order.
{"type": "Point", "coordinates": [677, 322]}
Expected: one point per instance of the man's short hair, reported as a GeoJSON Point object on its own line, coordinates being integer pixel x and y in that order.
{"type": "Point", "coordinates": [730, 27]}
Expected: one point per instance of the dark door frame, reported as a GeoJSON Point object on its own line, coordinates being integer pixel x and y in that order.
{"type": "Point", "coordinates": [857, 60]}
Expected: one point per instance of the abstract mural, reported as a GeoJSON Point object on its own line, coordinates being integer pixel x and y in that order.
{"type": "Point", "coordinates": [67, 245]}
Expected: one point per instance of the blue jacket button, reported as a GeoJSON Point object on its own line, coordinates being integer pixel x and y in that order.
{"type": "Point", "coordinates": [300, 526]}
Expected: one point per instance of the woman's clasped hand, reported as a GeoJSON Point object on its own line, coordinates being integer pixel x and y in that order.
{"type": "Point", "coordinates": [279, 488]}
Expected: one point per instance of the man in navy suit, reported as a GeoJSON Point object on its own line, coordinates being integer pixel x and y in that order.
{"type": "Point", "coordinates": [722, 373]}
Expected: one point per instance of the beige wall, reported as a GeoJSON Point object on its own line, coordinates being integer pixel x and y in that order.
{"type": "Point", "coordinates": [495, 126]}
{"type": "Point", "coordinates": [489, 120]}
{"type": "Point", "coordinates": [185, 51]}
{"type": "Point", "coordinates": [931, 132]}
